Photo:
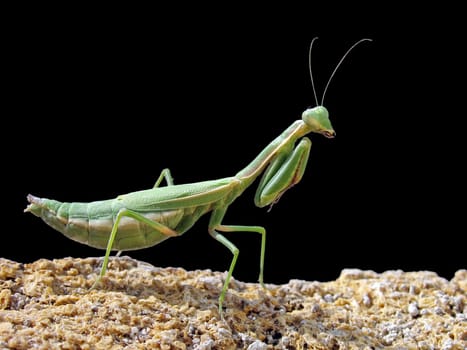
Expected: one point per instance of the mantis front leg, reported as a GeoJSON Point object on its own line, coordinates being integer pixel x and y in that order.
{"type": "Point", "coordinates": [285, 171]}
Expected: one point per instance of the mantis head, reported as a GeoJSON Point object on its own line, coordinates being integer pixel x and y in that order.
{"type": "Point", "coordinates": [317, 119]}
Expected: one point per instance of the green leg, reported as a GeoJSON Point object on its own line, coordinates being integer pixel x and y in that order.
{"type": "Point", "coordinates": [284, 172]}
{"type": "Point", "coordinates": [134, 215]}
{"type": "Point", "coordinates": [165, 174]}
{"type": "Point", "coordinates": [168, 178]}
{"type": "Point", "coordinates": [214, 226]}
{"type": "Point", "coordinates": [258, 229]}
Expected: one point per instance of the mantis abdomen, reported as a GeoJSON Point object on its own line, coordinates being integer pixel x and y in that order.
{"type": "Point", "coordinates": [90, 223]}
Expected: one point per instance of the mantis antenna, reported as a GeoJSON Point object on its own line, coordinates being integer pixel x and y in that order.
{"type": "Point", "coordinates": [311, 73]}
{"type": "Point", "coordinates": [335, 69]}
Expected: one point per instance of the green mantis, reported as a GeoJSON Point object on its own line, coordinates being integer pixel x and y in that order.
{"type": "Point", "coordinates": [145, 218]}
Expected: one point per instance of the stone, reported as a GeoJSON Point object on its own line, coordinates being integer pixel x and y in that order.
{"type": "Point", "coordinates": [47, 304]}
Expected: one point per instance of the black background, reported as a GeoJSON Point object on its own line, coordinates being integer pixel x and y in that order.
{"type": "Point", "coordinates": [97, 104]}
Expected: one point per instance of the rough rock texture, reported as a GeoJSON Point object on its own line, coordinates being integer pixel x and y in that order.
{"type": "Point", "coordinates": [47, 305]}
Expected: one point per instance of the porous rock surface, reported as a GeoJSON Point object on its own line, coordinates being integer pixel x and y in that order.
{"type": "Point", "coordinates": [47, 304]}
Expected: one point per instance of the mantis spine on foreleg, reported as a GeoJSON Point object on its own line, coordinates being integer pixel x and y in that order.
{"type": "Point", "coordinates": [145, 218]}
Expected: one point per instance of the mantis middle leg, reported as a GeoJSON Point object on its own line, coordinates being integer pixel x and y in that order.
{"type": "Point", "coordinates": [215, 226]}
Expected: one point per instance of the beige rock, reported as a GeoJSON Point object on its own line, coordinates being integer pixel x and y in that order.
{"type": "Point", "coordinates": [48, 305]}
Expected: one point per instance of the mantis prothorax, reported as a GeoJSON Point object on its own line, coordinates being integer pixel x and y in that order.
{"type": "Point", "coordinates": [145, 218]}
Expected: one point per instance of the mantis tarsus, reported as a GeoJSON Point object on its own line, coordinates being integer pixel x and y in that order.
{"type": "Point", "coordinates": [145, 218]}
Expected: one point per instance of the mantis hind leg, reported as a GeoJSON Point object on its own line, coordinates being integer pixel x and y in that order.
{"type": "Point", "coordinates": [134, 215]}
{"type": "Point", "coordinates": [214, 227]}
{"type": "Point", "coordinates": [165, 174]}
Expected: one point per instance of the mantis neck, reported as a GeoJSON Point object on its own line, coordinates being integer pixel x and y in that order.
{"type": "Point", "coordinates": [284, 141]}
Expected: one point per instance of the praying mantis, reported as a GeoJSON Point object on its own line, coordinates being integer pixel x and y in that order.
{"type": "Point", "coordinates": [145, 218]}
